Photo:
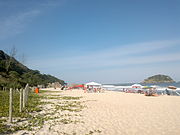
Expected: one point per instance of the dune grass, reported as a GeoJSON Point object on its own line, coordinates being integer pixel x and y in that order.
{"type": "Point", "coordinates": [32, 106]}
{"type": "Point", "coordinates": [35, 104]}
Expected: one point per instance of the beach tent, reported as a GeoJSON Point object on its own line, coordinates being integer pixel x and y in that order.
{"type": "Point", "coordinates": [136, 86]}
{"type": "Point", "coordinates": [93, 87]}
{"type": "Point", "coordinates": [93, 84]}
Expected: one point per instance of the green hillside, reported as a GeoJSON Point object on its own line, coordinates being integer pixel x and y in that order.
{"type": "Point", "coordinates": [15, 74]}
{"type": "Point", "coordinates": [158, 79]}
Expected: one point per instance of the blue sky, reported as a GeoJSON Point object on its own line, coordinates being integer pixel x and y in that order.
{"type": "Point", "coordinates": [108, 41]}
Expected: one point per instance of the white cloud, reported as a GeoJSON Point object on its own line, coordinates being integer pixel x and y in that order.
{"type": "Point", "coordinates": [15, 24]}
{"type": "Point", "coordinates": [120, 56]}
{"type": "Point", "coordinates": [132, 64]}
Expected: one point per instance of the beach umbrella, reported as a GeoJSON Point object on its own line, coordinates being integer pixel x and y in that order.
{"type": "Point", "coordinates": [147, 87]}
{"type": "Point", "coordinates": [136, 86]}
{"type": "Point", "coordinates": [172, 87]}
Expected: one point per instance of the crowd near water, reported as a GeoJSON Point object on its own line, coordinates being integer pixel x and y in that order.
{"type": "Point", "coordinates": [171, 89]}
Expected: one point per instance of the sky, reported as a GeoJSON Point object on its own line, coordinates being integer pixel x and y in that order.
{"type": "Point", "coordinates": [106, 41]}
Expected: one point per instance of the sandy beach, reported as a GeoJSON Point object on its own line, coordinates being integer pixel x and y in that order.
{"type": "Point", "coordinates": [117, 113]}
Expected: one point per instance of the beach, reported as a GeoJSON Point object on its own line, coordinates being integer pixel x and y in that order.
{"type": "Point", "coordinates": [118, 113]}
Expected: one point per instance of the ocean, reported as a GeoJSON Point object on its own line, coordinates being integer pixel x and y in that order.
{"type": "Point", "coordinates": [160, 90]}
{"type": "Point", "coordinates": [176, 84]}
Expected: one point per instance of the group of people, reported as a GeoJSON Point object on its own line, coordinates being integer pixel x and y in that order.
{"type": "Point", "coordinates": [91, 89]}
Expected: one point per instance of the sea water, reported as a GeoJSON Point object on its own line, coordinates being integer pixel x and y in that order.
{"type": "Point", "coordinates": [161, 87]}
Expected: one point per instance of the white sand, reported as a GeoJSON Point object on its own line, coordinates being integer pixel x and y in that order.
{"type": "Point", "coordinates": [116, 113]}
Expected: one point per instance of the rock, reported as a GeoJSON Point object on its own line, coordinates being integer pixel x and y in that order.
{"type": "Point", "coordinates": [159, 79]}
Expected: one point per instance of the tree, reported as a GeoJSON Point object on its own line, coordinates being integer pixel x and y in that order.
{"type": "Point", "coordinates": [23, 58]}
{"type": "Point", "coordinates": [15, 79]}
{"type": "Point", "coordinates": [12, 54]}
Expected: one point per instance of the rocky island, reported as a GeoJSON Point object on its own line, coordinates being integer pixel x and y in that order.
{"type": "Point", "coordinates": [159, 79]}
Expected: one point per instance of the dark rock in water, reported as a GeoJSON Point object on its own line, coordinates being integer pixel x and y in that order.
{"type": "Point", "coordinates": [159, 79]}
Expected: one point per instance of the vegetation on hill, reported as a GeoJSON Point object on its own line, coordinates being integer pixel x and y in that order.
{"type": "Point", "coordinates": [159, 79]}
{"type": "Point", "coordinates": [16, 75]}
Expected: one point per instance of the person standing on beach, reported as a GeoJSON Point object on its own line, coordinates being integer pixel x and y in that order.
{"type": "Point", "coordinates": [167, 92]}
